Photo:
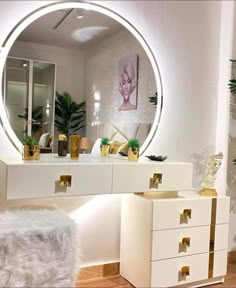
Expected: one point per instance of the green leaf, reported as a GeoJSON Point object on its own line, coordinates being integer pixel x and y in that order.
{"type": "Point", "coordinates": [70, 115]}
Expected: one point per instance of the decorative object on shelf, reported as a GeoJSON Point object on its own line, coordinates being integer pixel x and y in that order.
{"type": "Point", "coordinates": [62, 145]}
{"type": "Point", "coordinates": [212, 168]}
{"type": "Point", "coordinates": [153, 99]}
{"type": "Point", "coordinates": [85, 144]}
{"type": "Point", "coordinates": [156, 158]}
{"type": "Point", "coordinates": [30, 148]}
{"type": "Point", "coordinates": [133, 152]}
{"type": "Point", "coordinates": [74, 146]}
{"type": "Point", "coordinates": [70, 115]}
{"type": "Point", "coordinates": [105, 146]}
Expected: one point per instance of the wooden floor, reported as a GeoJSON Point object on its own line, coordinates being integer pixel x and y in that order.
{"type": "Point", "coordinates": [119, 282]}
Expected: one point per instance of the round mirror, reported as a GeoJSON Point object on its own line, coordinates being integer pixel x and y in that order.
{"type": "Point", "coordinates": [91, 54]}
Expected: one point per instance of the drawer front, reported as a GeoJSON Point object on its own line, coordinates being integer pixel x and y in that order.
{"type": "Point", "coordinates": [220, 263]}
{"type": "Point", "coordinates": [222, 210]}
{"type": "Point", "coordinates": [221, 237]}
{"type": "Point", "coordinates": [168, 214]}
{"type": "Point", "coordinates": [135, 177]}
{"type": "Point", "coordinates": [43, 180]}
{"type": "Point", "coordinates": [180, 242]}
{"type": "Point", "coordinates": [166, 273]}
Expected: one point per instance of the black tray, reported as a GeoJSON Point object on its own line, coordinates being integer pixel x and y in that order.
{"type": "Point", "coordinates": [156, 158]}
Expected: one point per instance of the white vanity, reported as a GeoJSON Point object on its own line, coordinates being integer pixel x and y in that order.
{"type": "Point", "coordinates": [169, 235]}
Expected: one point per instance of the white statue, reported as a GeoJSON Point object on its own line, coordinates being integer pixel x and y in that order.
{"type": "Point", "coordinates": [212, 167]}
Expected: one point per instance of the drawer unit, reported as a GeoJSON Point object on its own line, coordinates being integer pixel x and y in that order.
{"type": "Point", "coordinates": [180, 242]}
{"type": "Point", "coordinates": [162, 247]}
{"type": "Point", "coordinates": [91, 175]}
{"type": "Point", "coordinates": [138, 178]}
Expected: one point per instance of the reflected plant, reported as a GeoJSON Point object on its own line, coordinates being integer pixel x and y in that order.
{"type": "Point", "coordinates": [70, 115]}
{"type": "Point", "coordinates": [153, 99]}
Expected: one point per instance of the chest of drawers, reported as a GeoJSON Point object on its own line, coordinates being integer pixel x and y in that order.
{"type": "Point", "coordinates": [173, 240]}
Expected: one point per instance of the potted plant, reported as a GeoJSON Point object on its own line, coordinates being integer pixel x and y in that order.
{"type": "Point", "coordinates": [133, 152]}
{"type": "Point", "coordinates": [70, 116]}
{"type": "Point", "coordinates": [105, 146]}
{"type": "Point", "coordinates": [30, 148]}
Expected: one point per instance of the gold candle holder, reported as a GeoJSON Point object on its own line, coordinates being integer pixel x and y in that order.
{"type": "Point", "coordinates": [74, 146]}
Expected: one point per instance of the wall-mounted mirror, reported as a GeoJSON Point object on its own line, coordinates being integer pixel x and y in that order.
{"type": "Point", "coordinates": [94, 58]}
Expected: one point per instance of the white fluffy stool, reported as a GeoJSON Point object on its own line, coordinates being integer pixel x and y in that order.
{"type": "Point", "coordinates": [38, 248]}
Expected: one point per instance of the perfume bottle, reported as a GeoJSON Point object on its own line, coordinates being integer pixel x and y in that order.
{"type": "Point", "coordinates": [62, 145]}
{"type": "Point", "coordinates": [74, 146]}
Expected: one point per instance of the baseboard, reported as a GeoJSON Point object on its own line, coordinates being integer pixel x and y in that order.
{"type": "Point", "coordinates": [232, 257]}
{"type": "Point", "coordinates": [97, 271]}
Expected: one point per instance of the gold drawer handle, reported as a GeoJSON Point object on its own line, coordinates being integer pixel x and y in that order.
{"type": "Point", "coordinates": [185, 271]}
{"type": "Point", "coordinates": [65, 180]}
{"type": "Point", "coordinates": [185, 241]}
{"type": "Point", "coordinates": [187, 214]}
{"type": "Point", "coordinates": [155, 180]}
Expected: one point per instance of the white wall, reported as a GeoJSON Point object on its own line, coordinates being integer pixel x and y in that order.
{"type": "Point", "coordinates": [185, 38]}
{"type": "Point", "coordinates": [102, 81]}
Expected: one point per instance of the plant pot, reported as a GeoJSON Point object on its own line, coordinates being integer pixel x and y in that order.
{"type": "Point", "coordinates": [31, 152]}
{"type": "Point", "coordinates": [104, 150]}
{"type": "Point", "coordinates": [133, 154]}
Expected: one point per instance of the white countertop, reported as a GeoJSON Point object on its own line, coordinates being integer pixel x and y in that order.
{"type": "Point", "coordinates": [52, 159]}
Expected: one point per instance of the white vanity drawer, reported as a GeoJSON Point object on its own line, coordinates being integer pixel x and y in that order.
{"type": "Point", "coordinates": [171, 243]}
{"type": "Point", "coordinates": [168, 214]}
{"type": "Point", "coordinates": [136, 178]}
{"type": "Point", "coordinates": [32, 181]}
{"type": "Point", "coordinates": [166, 273]}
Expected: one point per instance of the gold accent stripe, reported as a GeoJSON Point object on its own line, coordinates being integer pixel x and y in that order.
{"type": "Point", "coordinates": [212, 237]}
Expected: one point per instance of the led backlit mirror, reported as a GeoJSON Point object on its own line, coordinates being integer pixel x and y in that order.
{"type": "Point", "coordinates": [93, 54]}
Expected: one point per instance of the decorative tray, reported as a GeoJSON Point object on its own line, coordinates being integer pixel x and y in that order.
{"type": "Point", "coordinates": [122, 153]}
{"type": "Point", "coordinates": [156, 158]}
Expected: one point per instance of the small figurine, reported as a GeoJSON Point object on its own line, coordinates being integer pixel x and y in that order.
{"type": "Point", "coordinates": [212, 168]}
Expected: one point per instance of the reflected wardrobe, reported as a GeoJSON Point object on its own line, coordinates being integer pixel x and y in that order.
{"type": "Point", "coordinates": [28, 96]}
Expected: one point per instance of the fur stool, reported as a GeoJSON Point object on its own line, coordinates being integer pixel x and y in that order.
{"type": "Point", "coordinates": [38, 248]}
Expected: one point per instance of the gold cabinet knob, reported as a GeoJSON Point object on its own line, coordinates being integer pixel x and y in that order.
{"type": "Point", "coordinates": [185, 271]}
{"type": "Point", "coordinates": [65, 180]}
{"type": "Point", "coordinates": [187, 214]}
{"type": "Point", "coordinates": [185, 241]}
{"type": "Point", "coordinates": [155, 180]}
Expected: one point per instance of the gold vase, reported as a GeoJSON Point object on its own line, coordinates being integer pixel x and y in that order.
{"type": "Point", "coordinates": [133, 154]}
{"type": "Point", "coordinates": [31, 152]}
{"type": "Point", "coordinates": [105, 149]}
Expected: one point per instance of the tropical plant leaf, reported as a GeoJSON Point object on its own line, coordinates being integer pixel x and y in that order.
{"type": "Point", "coordinates": [69, 114]}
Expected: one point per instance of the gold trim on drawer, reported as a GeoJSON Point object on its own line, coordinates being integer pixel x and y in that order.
{"type": "Point", "coordinates": [155, 180]}
{"type": "Point", "coordinates": [65, 180]}
{"type": "Point", "coordinates": [185, 241]}
{"type": "Point", "coordinates": [186, 215]}
{"type": "Point", "coordinates": [185, 271]}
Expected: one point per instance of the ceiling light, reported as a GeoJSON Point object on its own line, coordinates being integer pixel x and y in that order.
{"type": "Point", "coordinates": [88, 33]}
{"type": "Point", "coordinates": [79, 14]}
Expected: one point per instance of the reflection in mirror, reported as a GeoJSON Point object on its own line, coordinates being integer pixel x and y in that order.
{"type": "Point", "coordinates": [29, 96]}
{"type": "Point", "coordinates": [82, 56]}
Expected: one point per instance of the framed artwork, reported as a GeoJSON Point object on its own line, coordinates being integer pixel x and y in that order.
{"type": "Point", "coordinates": [128, 83]}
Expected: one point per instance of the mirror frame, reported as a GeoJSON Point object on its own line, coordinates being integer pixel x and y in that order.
{"type": "Point", "coordinates": [28, 19]}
